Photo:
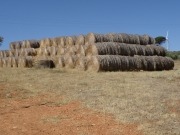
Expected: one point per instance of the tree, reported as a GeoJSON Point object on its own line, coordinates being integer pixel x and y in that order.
{"type": "Point", "coordinates": [1, 40]}
{"type": "Point", "coordinates": [160, 39]}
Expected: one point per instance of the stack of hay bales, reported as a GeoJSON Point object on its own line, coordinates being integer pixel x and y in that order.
{"type": "Point", "coordinates": [97, 52]}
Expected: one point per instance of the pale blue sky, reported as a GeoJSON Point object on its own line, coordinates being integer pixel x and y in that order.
{"type": "Point", "coordinates": [37, 19]}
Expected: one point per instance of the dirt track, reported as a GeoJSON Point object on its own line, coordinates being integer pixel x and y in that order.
{"type": "Point", "coordinates": [39, 115]}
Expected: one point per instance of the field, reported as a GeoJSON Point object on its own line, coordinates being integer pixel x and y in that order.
{"type": "Point", "coordinates": [67, 102]}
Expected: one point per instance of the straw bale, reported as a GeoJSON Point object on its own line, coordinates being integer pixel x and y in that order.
{"type": "Point", "coordinates": [81, 63]}
{"type": "Point", "coordinates": [70, 61]}
{"type": "Point", "coordinates": [43, 63]}
{"type": "Point", "coordinates": [144, 39]}
{"type": "Point", "coordinates": [45, 42]}
{"type": "Point", "coordinates": [1, 62]}
{"type": "Point", "coordinates": [25, 62]}
{"type": "Point", "coordinates": [60, 41]}
{"type": "Point", "coordinates": [71, 50]}
{"type": "Point", "coordinates": [30, 44]}
{"type": "Point", "coordinates": [80, 40]}
{"type": "Point", "coordinates": [14, 62]}
{"type": "Point", "coordinates": [70, 41]}
{"type": "Point", "coordinates": [61, 50]}
{"type": "Point", "coordinates": [4, 62]}
{"type": "Point", "coordinates": [15, 45]}
{"type": "Point", "coordinates": [61, 62]}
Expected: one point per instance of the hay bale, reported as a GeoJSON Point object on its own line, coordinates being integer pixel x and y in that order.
{"type": "Point", "coordinates": [80, 40]}
{"type": "Point", "coordinates": [144, 39]}
{"type": "Point", "coordinates": [60, 41]}
{"type": "Point", "coordinates": [71, 50]}
{"type": "Point", "coordinates": [81, 50]}
{"type": "Point", "coordinates": [149, 51]}
{"type": "Point", "coordinates": [150, 63]}
{"type": "Point", "coordinates": [4, 62]}
{"type": "Point", "coordinates": [25, 62]}
{"type": "Point", "coordinates": [1, 62]}
{"type": "Point", "coordinates": [61, 62]}
{"type": "Point", "coordinates": [70, 61]}
{"type": "Point", "coordinates": [70, 41]}
{"type": "Point", "coordinates": [30, 44]}
{"type": "Point", "coordinates": [9, 62]}
{"type": "Point", "coordinates": [61, 50]}
{"type": "Point", "coordinates": [81, 63]}
{"type": "Point", "coordinates": [45, 42]}
{"type": "Point", "coordinates": [105, 63]}
{"type": "Point", "coordinates": [14, 62]}
{"type": "Point", "coordinates": [15, 45]}
{"type": "Point", "coordinates": [138, 63]}
{"type": "Point", "coordinates": [17, 52]}
{"type": "Point", "coordinates": [43, 63]}
{"type": "Point", "coordinates": [11, 53]}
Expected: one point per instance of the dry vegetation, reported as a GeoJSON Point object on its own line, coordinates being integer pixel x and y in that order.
{"type": "Point", "coordinates": [150, 100]}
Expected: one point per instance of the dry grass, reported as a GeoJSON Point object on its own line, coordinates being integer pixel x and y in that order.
{"type": "Point", "coordinates": [148, 98]}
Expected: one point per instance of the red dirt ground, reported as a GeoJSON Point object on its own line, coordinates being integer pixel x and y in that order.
{"type": "Point", "coordinates": [42, 115]}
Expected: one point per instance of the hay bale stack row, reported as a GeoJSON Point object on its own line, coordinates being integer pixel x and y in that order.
{"type": "Point", "coordinates": [98, 52]}
{"type": "Point", "coordinates": [24, 44]}
{"type": "Point", "coordinates": [114, 48]}
{"type": "Point", "coordinates": [128, 63]}
{"type": "Point", "coordinates": [20, 62]}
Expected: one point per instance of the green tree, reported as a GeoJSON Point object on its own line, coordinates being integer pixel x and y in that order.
{"type": "Point", "coordinates": [160, 39]}
{"type": "Point", "coordinates": [1, 40]}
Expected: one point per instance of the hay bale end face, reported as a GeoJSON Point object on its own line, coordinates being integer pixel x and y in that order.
{"type": "Point", "coordinates": [43, 64]}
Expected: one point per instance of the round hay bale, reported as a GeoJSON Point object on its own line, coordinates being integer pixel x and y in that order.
{"type": "Point", "coordinates": [70, 41]}
{"type": "Point", "coordinates": [22, 52]}
{"type": "Point", "coordinates": [140, 50]}
{"type": "Point", "coordinates": [138, 63]}
{"type": "Point", "coordinates": [40, 51]}
{"type": "Point", "coordinates": [125, 38]}
{"type": "Point", "coordinates": [107, 63]}
{"type": "Point", "coordinates": [90, 39]}
{"type": "Point", "coordinates": [61, 50]}
{"type": "Point", "coordinates": [11, 53]}
{"type": "Point", "coordinates": [1, 54]}
{"type": "Point", "coordinates": [150, 63]}
{"type": "Point", "coordinates": [117, 38]}
{"type": "Point", "coordinates": [1, 62]}
{"type": "Point", "coordinates": [158, 63]}
{"type": "Point", "coordinates": [14, 62]}
{"type": "Point", "coordinates": [70, 61]}
{"type": "Point", "coordinates": [17, 52]}
{"type": "Point", "coordinates": [61, 62]}
{"type": "Point", "coordinates": [144, 39]}
{"type": "Point", "coordinates": [25, 62]}
{"type": "Point", "coordinates": [167, 63]}
{"type": "Point", "coordinates": [54, 42]}
{"type": "Point", "coordinates": [9, 62]}
{"type": "Point", "coordinates": [60, 41]}
{"type": "Point", "coordinates": [4, 62]}
{"type": "Point", "coordinates": [151, 40]}
{"type": "Point", "coordinates": [131, 63]}
{"type": "Point", "coordinates": [45, 42]}
{"type": "Point", "coordinates": [15, 45]}
{"type": "Point", "coordinates": [81, 63]}
{"type": "Point", "coordinates": [43, 64]}
{"type": "Point", "coordinates": [53, 51]}
{"type": "Point", "coordinates": [30, 52]}
{"type": "Point", "coordinates": [81, 50]}
{"type": "Point", "coordinates": [71, 50]}
{"type": "Point", "coordinates": [149, 51]}
{"type": "Point", "coordinates": [80, 40]}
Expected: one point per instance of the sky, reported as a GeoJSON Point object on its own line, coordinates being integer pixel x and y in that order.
{"type": "Point", "coordinates": [38, 19]}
